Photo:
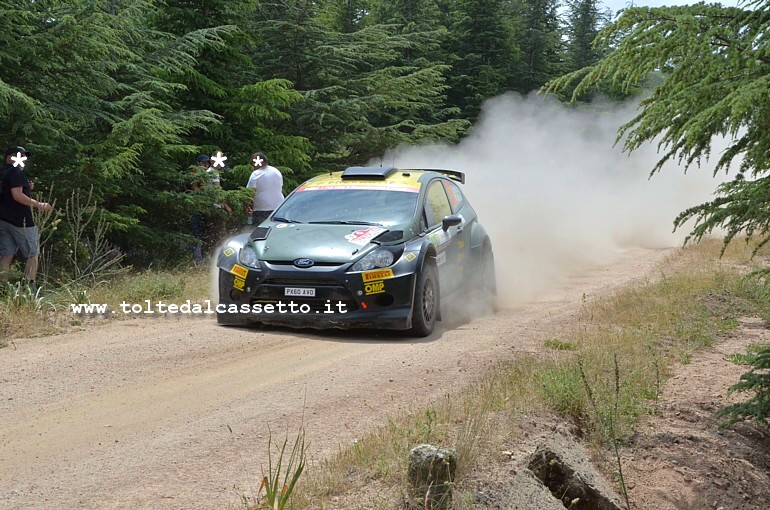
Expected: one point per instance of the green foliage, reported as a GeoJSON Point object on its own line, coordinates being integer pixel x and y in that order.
{"type": "Point", "coordinates": [757, 380]}
{"type": "Point", "coordinates": [751, 354]}
{"type": "Point", "coordinates": [539, 36]}
{"type": "Point", "coordinates": [715, 82]}
{"type": "Point", "coordinates": [562, 388]}
{"type": "Point", "coordinates": [560, 345]}
{"type": "Point", "coordinates": [118, 97]}
{"type": "Point", "coordinates": [365, 78]}
{"type": "Point", "coordinates": [484, 57]}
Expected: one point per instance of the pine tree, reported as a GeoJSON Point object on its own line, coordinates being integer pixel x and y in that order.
{"type": "Point", "coordinates": [361, 97]}
{"type": "Point", "coordinates": [584, 21]}
{"type": "Point", "coordinates": [539, 36]}
{"type": "Point", "coordinates": [485, 59]}
{"type": "Point", "coordinates": [87, 92]}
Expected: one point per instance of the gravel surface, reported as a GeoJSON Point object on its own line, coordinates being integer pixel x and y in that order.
{"type": "Point", "coordinates": [174, 413]}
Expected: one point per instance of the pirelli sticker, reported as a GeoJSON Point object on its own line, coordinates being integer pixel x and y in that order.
{"type": "Point", "coordinates": [378, 274]}
{"type": "Point", "coordinates": [238, 270]}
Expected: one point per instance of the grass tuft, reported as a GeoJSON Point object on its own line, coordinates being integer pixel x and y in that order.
{"type": "Point", "coordinates": [622, 346]}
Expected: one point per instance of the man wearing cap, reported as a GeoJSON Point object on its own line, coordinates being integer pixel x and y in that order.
{"type": "Point", "coordinates": [18, 232]}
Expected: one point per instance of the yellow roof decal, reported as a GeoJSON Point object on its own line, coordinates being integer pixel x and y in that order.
{"type": "Point", "coordinates": [396, 182]}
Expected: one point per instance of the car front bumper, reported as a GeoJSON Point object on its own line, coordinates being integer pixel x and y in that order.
{"type": "Point", "coordinates": [372, 299]}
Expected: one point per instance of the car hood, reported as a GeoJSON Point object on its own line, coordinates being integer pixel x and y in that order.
{"type": "Point", "coordinates": [338, 244]}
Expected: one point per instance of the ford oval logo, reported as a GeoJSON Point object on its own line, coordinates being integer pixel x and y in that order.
{"type": "Point", "coordinates": [304, 263]}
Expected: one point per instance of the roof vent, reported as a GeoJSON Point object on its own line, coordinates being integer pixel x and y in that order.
{"type": "Point", "coordinates": [369, 173]}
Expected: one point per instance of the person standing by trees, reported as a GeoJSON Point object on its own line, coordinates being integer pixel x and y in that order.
{"type": "Point", "coordinates": [197, 220]}
{"type": "Point", "coordinates": [267, 183]}
{"type": "Point", "coordinates": [18, 233]}
{"type": "Point", "coordinates": [204, 176]}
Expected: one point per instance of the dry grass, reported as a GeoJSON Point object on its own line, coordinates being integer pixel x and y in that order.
{"type": "Point", "coordinates": [647, 327]}
{"type": "Point", "coordinates": [27, 314]}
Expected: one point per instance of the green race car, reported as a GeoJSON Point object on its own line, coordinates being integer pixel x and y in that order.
{"type": "Point", "coordinates": [368, 247]}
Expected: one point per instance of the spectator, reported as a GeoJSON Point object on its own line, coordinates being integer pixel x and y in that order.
{"type": "Point", "coordinates": [18, 233]}
{"type": "Point", "coordinates": [267, 183]}
{"type": "Point", "coordinates": [202, 180]}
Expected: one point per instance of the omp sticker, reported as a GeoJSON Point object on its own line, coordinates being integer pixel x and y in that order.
{"type": "Point", "coordinates": [379, 274]}
{"type": "Point", "coordinates": [441, 258]}
{"type": "Point", "coordinates": [239, 283]}
{"type": "Point", "coordinates": [228, 252]}
{"type": "Point", "coordinates": [362, 237]}
{"type": "Point", "coordinates": [374, 288]}
{"type": "Point", "coordinates": [239, 271]}
{"type": "Point", "coordinates": [410, 257]}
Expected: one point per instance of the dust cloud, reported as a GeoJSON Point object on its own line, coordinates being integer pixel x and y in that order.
{"type": "Point", "coordinates": [554, 193]}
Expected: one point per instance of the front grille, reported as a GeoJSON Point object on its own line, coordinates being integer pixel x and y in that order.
{"type": "Point", "coordinates": [305, 282]}
{"type": "Point", "coordinates": [327, 293]}
{"type": "Point", "coordinates": [291, 263]}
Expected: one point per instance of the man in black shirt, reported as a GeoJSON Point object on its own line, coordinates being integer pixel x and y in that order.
{"type": "Point", "coordinates": [18, 233]}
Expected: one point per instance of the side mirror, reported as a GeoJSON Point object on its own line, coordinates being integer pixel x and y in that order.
{"type": "Point", "coordinates": [450, 221]}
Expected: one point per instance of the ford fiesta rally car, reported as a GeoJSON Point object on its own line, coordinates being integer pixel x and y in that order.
{"type": "Point", "coordinates": [368, 247]}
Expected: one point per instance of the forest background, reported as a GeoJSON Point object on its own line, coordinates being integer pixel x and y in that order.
{"type": "Point", "coordinates": [115, 98]}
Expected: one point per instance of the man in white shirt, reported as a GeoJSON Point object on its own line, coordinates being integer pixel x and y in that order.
{"type": "Point", "coordinates": [267, 183]}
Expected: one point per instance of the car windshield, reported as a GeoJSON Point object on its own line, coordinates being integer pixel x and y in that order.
{"type": "Point", "coordinates": [348, 206]}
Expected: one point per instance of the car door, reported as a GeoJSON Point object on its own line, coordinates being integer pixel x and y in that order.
{"type": "Point", "coordinates": [448, 252]}
{"type": "Point", "coordinates": [462, 231]}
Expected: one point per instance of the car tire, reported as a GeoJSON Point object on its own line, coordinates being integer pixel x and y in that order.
{"type": "Point", "coordinates": [426, 304]}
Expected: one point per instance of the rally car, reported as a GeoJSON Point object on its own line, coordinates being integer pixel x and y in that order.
{"type": "Point", "coordinates": [367, 247]}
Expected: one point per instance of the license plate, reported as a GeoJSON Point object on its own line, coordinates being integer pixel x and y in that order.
{"type": "Point", "coordinates": [299, 291]}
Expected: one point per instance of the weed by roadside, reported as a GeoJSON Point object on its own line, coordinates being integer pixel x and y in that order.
{"type": "Point", "coordinates": [622, 347]}
{"type": "Point", "coordinates": [280, 480]}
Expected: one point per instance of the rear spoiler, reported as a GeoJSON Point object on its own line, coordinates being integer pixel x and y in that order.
{"type": "Point", "coordinates": [452, 174]}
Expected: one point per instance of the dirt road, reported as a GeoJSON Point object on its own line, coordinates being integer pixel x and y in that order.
{"type": "Point", "coordinates": [174, 413]}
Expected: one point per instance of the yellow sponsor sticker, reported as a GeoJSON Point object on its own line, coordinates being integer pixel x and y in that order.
{"type": "Point", "coordinates": [397, 182]}
{"type": "Point", "coordinates": [239, 271]}
{"type": "Point", "coordinates": [228, 252]}
{"type": "Point", "coordinates": [239, 283]}
{"type": "Point", "coordinates": [374, 288]}
{"type": "Point", "coordinates": [410, 257]}
{"type": "Point", "coordinates": [379, 274]}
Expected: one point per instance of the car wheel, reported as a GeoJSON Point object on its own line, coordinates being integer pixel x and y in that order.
{"type": "Point", "coordinates": [426, 301]}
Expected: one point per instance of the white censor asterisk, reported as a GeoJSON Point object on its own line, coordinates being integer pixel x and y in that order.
{"type": "Point", "coordinates": [219, 160]}
{"type": "Point", "coordinates": [18, 160]}
{"type": "Point", "coordinates": [258, 162]}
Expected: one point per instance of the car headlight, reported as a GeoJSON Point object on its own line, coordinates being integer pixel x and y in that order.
{"type": "Point", "coordinates": [248, 257]}
{"type": "Point", "coordinates": [377, 258]}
